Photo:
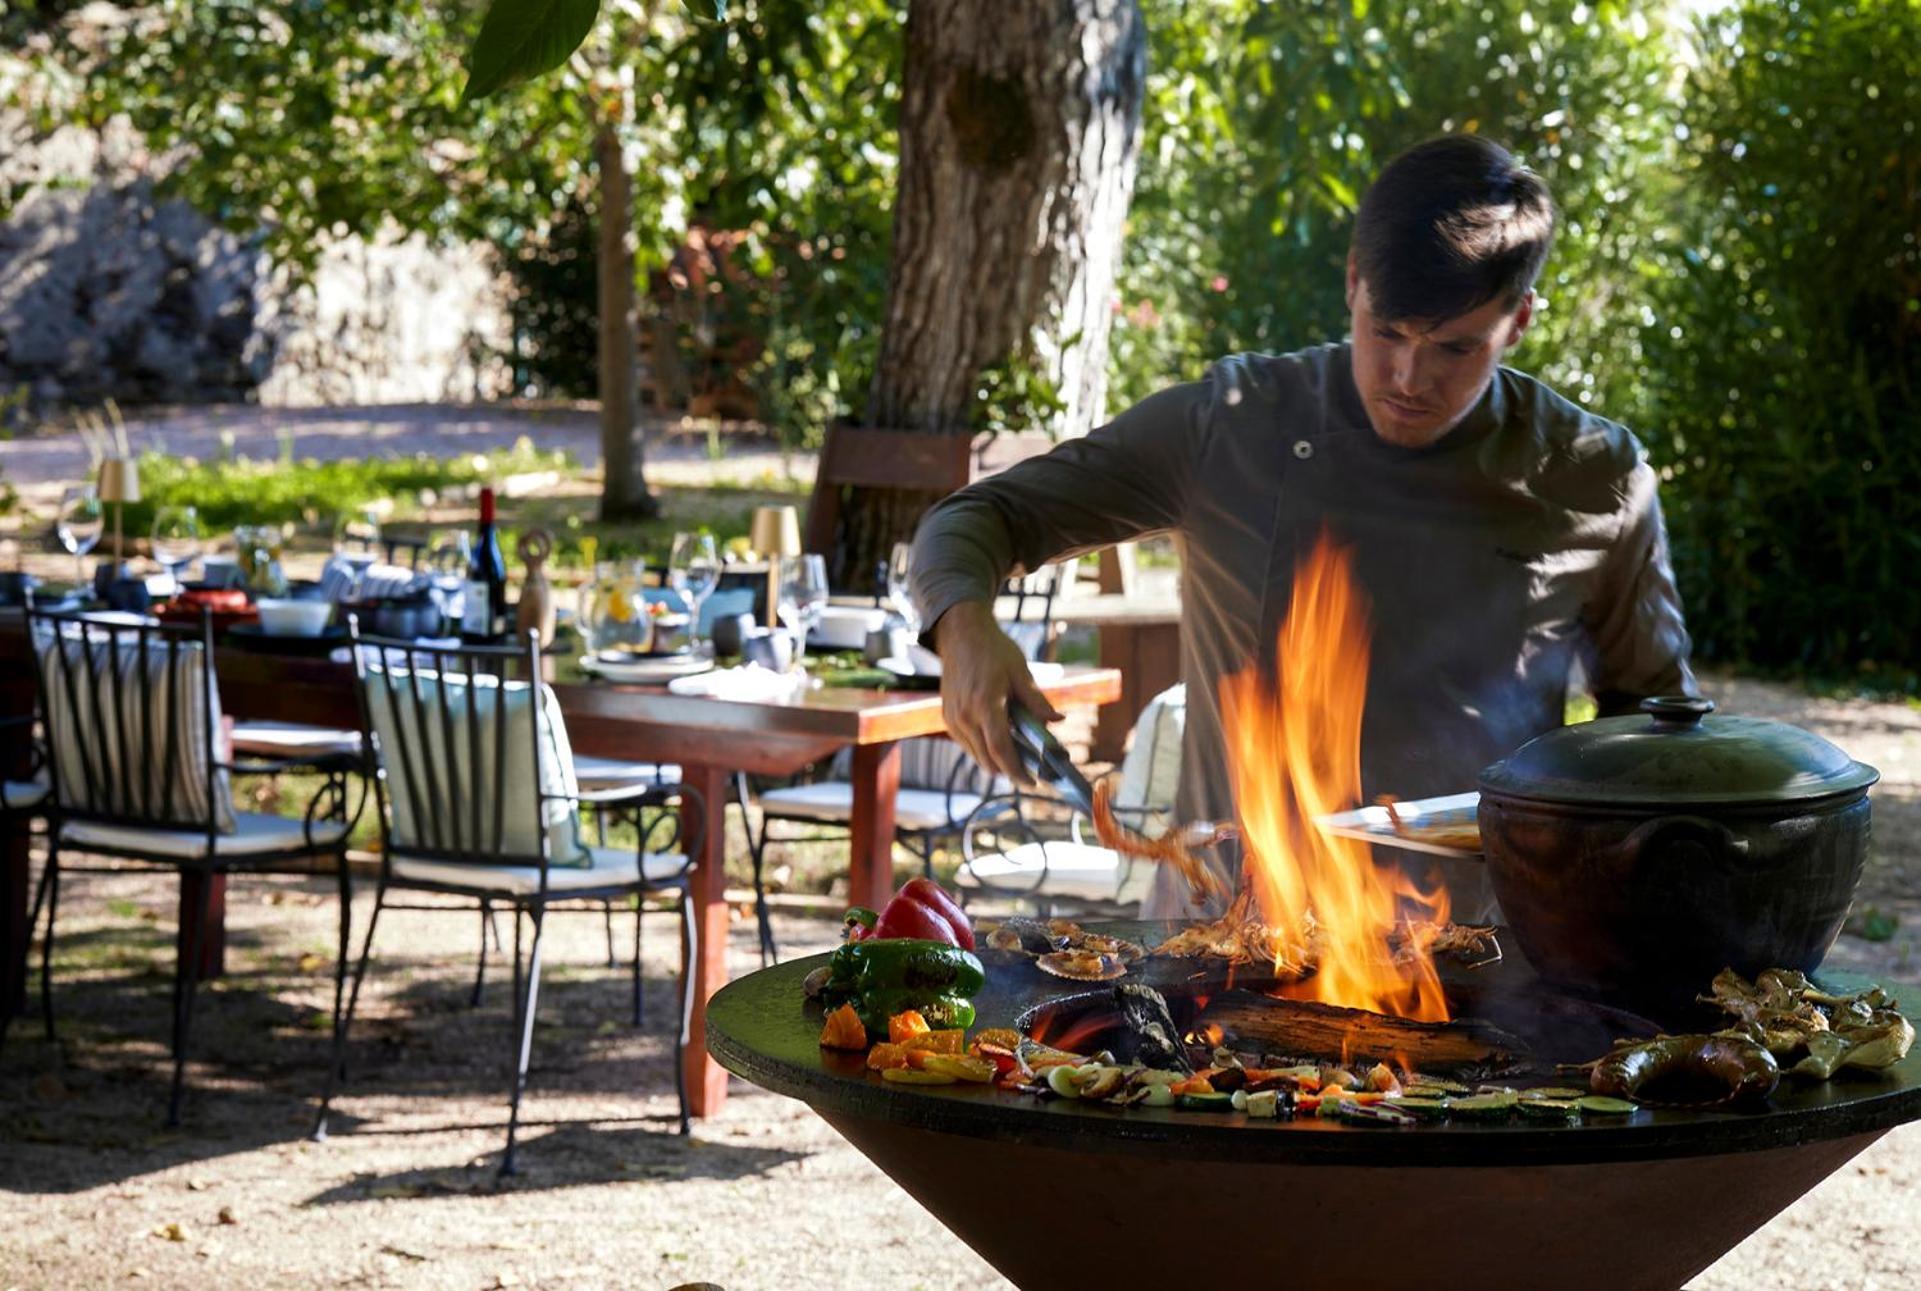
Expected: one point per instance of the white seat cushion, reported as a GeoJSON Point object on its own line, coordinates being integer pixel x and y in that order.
{"type": "Point", "coordinates": [254, 832]}
{"type": "Point", "coordinates": [19, 795]}
{"type": "Point", "coordinates": [1073, 870]}
{"type": "Point", "coordinates": [833, 801]}
{"type": "Point", "coordinates": [611, 773]}
{"type": "Point", "coordinates": [607, 867]}
{"type": "Point", "coordinates": [293, 740]}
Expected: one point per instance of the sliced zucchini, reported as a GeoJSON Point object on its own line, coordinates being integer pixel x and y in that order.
{"type": "Point", "coordinates": [1483, 1107]}
{"type": "Point", "coordinates": [1602, 1105]}
{"type": "Point", "coordinates": [1205, 1102]}
{"type": "Point", "coordinates": [1547, 1109]}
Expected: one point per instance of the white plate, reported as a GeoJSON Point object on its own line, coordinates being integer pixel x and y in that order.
{"type": "Point", "coordinates": [1372, 824]}
{"type": "Point", "coordinates": [665, 668]}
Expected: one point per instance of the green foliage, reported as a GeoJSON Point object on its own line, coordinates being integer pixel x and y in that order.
{"type": "Point", "coordinates": [520, 39]}
{"type": "Point", "coordinates": [257, 491]}
{"type": "Point", "coordinates": [1265, 123]}
{"type": "Point", "coordinates": [1784, 342]}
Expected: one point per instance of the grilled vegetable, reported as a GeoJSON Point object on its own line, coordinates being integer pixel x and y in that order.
{"type": "Point", "coordinates": [884, 978]}
{"type": "Point", "coordinates": [908, 1076]}
{"type": "Point", "coordinates": [843, 1030]}
{"type": "Point", "coordinates": [1205, 1102]}
{"type": "Point", "coordinates": [1483, 1107]}
{"type": "Point", "coordinates": [922, 910]}
{"type": "Point", "coordinates": [1601, 1105]}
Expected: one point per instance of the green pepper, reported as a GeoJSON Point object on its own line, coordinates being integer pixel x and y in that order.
{"type": "Point", "coordinates": [858, 923]}
{"type": "Point", "coordinates": [883, 978]}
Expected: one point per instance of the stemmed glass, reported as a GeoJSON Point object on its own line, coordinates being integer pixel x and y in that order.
{"type": "Point", "coordinates": [900, 589]}
{"type": "Point", "coordinates": [693, 570]}
{"type": "Point", "coordinates": [82, 521]}
{"type": "Point", "coordinates": [803, 595]}
{"type": "Point", "coordinates": [176, 538]}
{"type": "Point", "coordinates": [357, 543]}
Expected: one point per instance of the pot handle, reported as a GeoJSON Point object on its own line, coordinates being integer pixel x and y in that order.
{"type": "Point", "coordinates": [1711, 836]}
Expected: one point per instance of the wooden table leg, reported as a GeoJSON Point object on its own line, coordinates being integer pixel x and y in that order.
{"type": "Point", "coordinates": [15, 861]}
{"type": "Point", "coordinates": [213, 946]}
{"type": "Point", "coordinates": [870, 880]}
{"type": "Point", "coordinates": [707, 822]}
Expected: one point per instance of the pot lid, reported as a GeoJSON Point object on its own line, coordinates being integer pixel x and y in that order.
{"type": "Point", "coordinates": [1677, 754]}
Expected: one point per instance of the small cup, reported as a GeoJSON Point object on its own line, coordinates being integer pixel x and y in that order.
{"type": "Point", "coordinates": [888, 642]}
{"type": "Point", "coordinates": [771, 648]}
{"type": "Point", "coordinates": [730, 631]}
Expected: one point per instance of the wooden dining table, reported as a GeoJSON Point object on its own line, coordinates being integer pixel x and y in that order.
{"type": "Point", "coordinates": [709, 739]}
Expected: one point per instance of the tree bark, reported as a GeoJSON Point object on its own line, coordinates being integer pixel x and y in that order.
{"type": "Point", "coordinates": [1019, 139]}
{"type": "Point", "coordinates": [623, 492]}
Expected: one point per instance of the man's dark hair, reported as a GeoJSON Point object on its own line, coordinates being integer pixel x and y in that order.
{"type": "Point", "coordinates": [1450, 225]}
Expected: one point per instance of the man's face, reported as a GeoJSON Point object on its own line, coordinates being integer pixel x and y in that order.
{"type": "Point", "coordinates": [1419, 377]}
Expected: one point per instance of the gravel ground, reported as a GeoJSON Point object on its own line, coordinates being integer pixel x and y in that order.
{"type": "Point", "coordinates": [94, 1192]}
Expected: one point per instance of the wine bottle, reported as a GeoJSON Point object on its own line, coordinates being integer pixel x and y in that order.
{"type": "Point", "coordinates": [483, 612]}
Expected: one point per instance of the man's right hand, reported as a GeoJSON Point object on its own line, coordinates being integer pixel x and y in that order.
{"type": "Point", "coordinates": [981, 669]}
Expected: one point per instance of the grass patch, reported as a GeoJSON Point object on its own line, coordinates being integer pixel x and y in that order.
{"type": "Point", "coordinates": [304, 491]}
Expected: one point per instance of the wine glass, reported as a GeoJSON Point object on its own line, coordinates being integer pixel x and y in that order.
{"type": "Point", "coordinates": [803, 595]}
{"type": "Point", "coordinates": [357, 543]}
{"type": "Point", "coordinates": [900, 590]}
{"type": "Point", "coordinates": [82, 520]}
{"type": "Point", "coordinates": [693, 570]}
{"type": "Point", "coordinates": [176, 538]}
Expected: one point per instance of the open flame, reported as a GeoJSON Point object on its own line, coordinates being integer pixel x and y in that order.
{"type": "Point", "coordinates": [1294, 748]}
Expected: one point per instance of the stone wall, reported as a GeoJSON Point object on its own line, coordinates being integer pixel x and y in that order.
{"type": "Point", "coordinates": [108, 290]}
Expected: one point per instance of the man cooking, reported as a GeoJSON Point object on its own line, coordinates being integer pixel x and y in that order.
{"type": "Point", "coordinates": [1498, 531]}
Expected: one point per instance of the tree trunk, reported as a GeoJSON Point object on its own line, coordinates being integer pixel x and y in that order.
{"type": "Point", "coordinates": [623, 490]}
{"type": "Point", "coordinates": [1019, 137]}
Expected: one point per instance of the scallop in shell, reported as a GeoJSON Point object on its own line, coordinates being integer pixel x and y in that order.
{"type": "Point", "coordinates": [1082, 965]}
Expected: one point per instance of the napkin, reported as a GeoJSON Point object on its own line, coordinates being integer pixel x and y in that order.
{"type": "Point", "coordinates": [749, 683]}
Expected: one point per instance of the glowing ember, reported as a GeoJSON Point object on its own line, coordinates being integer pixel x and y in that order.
{"type": "Point", "coordinates": [1295, 753]}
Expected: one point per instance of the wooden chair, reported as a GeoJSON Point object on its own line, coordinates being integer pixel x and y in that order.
{"type": "Point", "coordinates": [473, 777]}
{"type": "Point", "coordinates": [133, 729]}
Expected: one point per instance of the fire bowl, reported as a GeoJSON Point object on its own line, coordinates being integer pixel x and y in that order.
{"type": "Point", "coordinates": [1049, 1192]}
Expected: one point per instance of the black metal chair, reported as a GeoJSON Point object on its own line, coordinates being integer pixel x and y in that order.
{"type": "Point", "coordinates": [132, 719]}
{"type": "Point", "coordinates": [472, 775]}
{"type": "Point", "coordinates": [940, 785]}
{"type": "Point", "coordinates": [23, 795]}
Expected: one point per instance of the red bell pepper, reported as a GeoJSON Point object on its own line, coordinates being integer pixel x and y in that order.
{"type": "Point", "coordinates": [921, 909]}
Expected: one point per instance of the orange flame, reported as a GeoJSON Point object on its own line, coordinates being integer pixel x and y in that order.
{"type": "Point", "coordinates": [1295, 752]}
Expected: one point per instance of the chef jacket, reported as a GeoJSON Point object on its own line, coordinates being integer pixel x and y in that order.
{"type": "Point", "coordinates": [1525, 539]}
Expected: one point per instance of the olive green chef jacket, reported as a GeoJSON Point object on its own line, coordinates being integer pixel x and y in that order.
{"type": "Point", "coordinates": [1528, 537]}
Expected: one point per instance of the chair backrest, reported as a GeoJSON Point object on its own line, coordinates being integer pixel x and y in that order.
{"type": "Point", "coordinates": [132, 717]}
{"type": "Point", "coordinates": [472, 752]}
{"type": "Point", "coordinates": [1031, 624]}
{"type": "Point", "coordinates": [1150, 771]}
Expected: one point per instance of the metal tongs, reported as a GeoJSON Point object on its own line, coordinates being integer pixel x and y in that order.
{"type": "Point", "coordinates": [1048, 760]}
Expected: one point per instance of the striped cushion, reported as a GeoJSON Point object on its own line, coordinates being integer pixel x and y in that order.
{"type": "Point", "coordinates": [447, 757]}
{"type": "Point", "coordinates": [128, 748]}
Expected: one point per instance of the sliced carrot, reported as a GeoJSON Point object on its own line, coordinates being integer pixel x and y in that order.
{"type": "Point", "coordinates": [884, 1056]}
{"type": "Point", "coordinates": [843, 1030]}
{"type": "Point", "coordinates": [904, 1026]}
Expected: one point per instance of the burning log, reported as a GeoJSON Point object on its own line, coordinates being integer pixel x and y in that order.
{"type": "Point", "coordinates": [1157, 1041]}
{"type": "Point", "coordinates": [1306, 1029]}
